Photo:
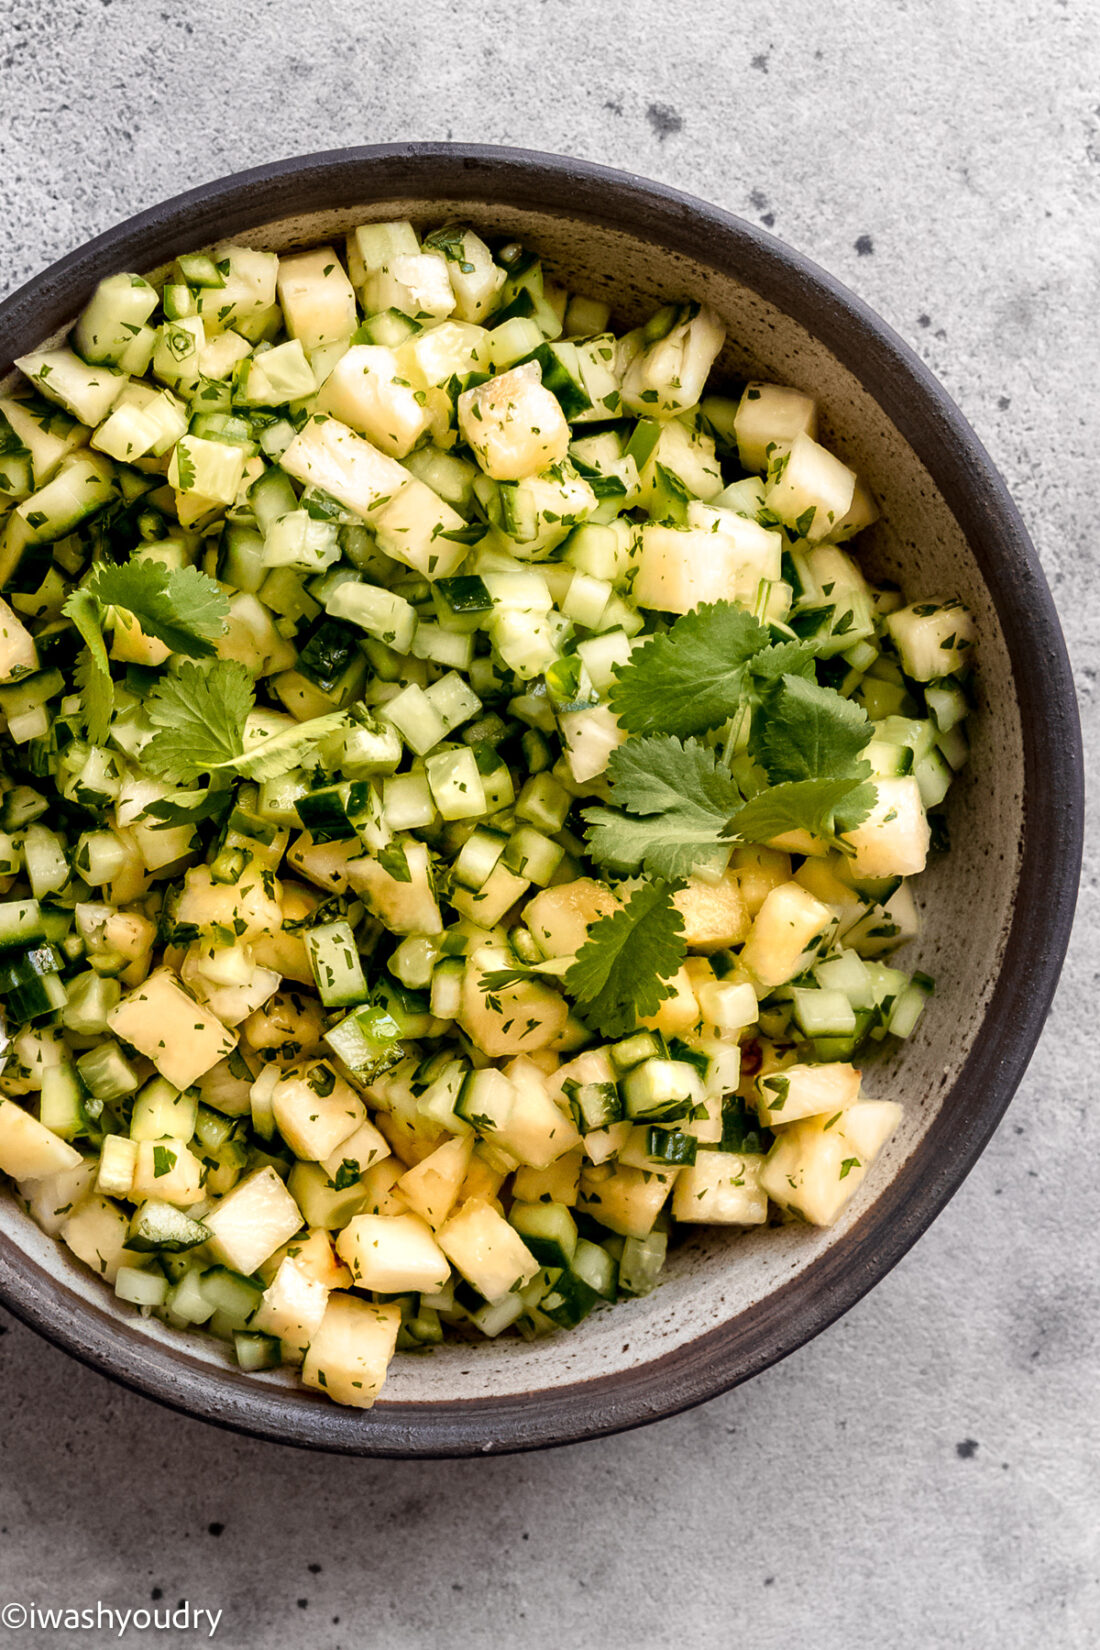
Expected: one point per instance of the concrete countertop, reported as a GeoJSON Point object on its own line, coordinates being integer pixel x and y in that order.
{"type": "Point", "coordinates": [925, 1474]}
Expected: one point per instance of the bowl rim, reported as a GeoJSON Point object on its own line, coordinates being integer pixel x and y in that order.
{"type": "Point", "coordinates": [1052, 805]}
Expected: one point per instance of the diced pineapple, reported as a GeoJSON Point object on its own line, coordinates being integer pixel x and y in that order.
{"type": "Point", "coordinates": [810, 490]}
{"type": "Point", "coordinates": [488, 1252]}
{"type": "Point", "coordinates": [514, 425]}
{"type": "Point", "coordinates": [790, 924]}
{"type": "Point", "coordinates": [816, 1165]}
{"type": "Point", "coordinates": [368, 390]}
{"type": "Point", "coordinates": [415, 283]}
{"type": "Point", "coordinates": [362, 1149]}
{"type": "Point", "coordinates": [668, 377]}
{"type": "Point", "coordinates": [560, 917]}
{"type": "Point", "coordinates": [713, 913]}
{"type": "Point", "coordinates": [406, 907]}
{"type": "Point", "coordinates": [720, 556]}
{"type": "Point", "coordinates": [315, 1110]}
{"type": "Point", "coordinates": [625, 1200]}
{"type": "Point", "coordinates": [393, 1253]}
{"type": "Point", "coordinates": [515, 1019]}
{"type": "Point", "coordinates": [293, 1305]}
{"type": "Point", "coordinates": [316, 296]}
{"type": "Point", "coordinates": [253, 1220]}
{"type": "Point", "coordinates": [806, 1091]}
{"type": "Point", "coordinates": [351, 1351]}
{"type": "Point", "coordinates": [431, 1187]}
{"type": "Point", "coordinates": [18, 655]}
{"type": "Point", "coordinates": [96, 1232]}
{"type": "Point", "coordinates": [168, 1170]}
{"type": "Point", "coordinates": [51, 1200]}
{"type": "Point", "coordinates": [721, 1188]}
{"type": "Point", "coordinates": [329, 455]}
{"type": "Point", "coordinates": [933, 638]}
{"type": "Point", "coordinates": [680, 1009]}
{"type": "Point", "coordinates": [893, 840]}
{"type": "Point", "coordinates": [182, 1039]}
{"type": "Point", "coordinates": [30, 1151]}
{"type": "Point", "coordinates": [768, 419]}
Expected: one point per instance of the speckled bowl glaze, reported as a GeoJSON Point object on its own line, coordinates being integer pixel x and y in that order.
{"type": "Point", "coordinates": [997, 911]}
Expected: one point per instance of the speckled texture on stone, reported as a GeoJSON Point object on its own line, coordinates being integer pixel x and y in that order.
{"type": "Point", "coordinates": [926, 1474]}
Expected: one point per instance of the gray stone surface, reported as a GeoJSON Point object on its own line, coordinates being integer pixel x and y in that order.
{"type": "Point", "coordinates": [924, 1475]}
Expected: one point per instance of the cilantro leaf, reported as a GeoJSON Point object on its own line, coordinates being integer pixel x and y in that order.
{"type": "Point", "coordinates": [199, 713]}
{"type": "Point", "coordinates": [782, 659]}
{"type": "Point", "coordinates": [97, 696]}
{"type": "Point", "coordinates": [808, 740]}
{"type": "Point", "coordinates": [621, 971]}
{"type": "Point", "coordinates": [270, 758]}
{"type": "Point", "coordinates": [675, 800]}
{"type": "Point", "coordinates": [806, 731]}
{"type": "Point", "coordinates": [179, 606]}
{"type": "Point", "coordinates": [394, 862]}
{"type": "Point", "coordinates": [93, 670]}
{"type": "Point", "coordinates": [824, 807]}
{"type": "Point", "coordinates": [188, 808]}
{"type": "Point", "coordinates": [692, 678]}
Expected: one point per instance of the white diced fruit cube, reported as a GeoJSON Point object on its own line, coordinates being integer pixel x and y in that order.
{"type": "Point", "coordinates": [166, 1169]}
{"type": "Point", "coordinates": [18, 655]}
{"type": "Point", "coordinates": [161, 1021]}
{"type": "Point", "coordinates": [416, 283]}
{"type": "Point", "coordinates": [719, 556]}
{"type": "Point", "coordinates": [351, 1351]}
{"type": "Point", "coordinates": [249, 288]}
{"type": "Point", "coordinates": [488, 1252]}
{"type": "Point", "coordinates": [315, 1110]}
{"type": "Point", "coordinates": [368, 391]}
{"type": "Point", "coordinates": [329, 455]}
{"type": "Point", "coordinates": [475, 278]}
{"type": "Point", "coordinates": [293, 1305]}
{"type": "Point", "coordinates": [412, 527]}
{"type": "Point", "coordinates": [431, 1187]}
{"type": "Point", "coordinates": [513, 424]}
{"type": "Point", "coordinates": [806, 1091]}
{"type": "Point", "coordinates": [405, 907]}
{"type": "Point", "coordinates": [668, 377]}
{"type": "Point", "coordinates": [811, 491]}
{"type": "Point", "coordinates": [253, 1220]}
{"type": "Point", "coordinates": [373, 244]}
{"type": "Point", "coordinates": [817, 1164]}
{"type": "Point", "coordinates": [790, 923]}
{"type": "Point", "coordinates": [721, 1188]}
{"type": "Point", "coordinates": [768, 419]}
{"type": "Point", "coordinates": [96, 1232]}
{"type": "Point", "coordinates": [933, 638]}
{"type": "Point", "coordinates": [393, 1253]}
{"type": "Point", "coordinates": [317, 298]}
{"type": "Point", "coordinates": [893, 840]}
{"type": "Point", "coordinates": [29, 1150]}
{"type": "Point", "coordinates": [364, 1147]}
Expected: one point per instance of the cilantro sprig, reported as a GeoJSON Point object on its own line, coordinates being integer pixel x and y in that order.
{"type": "Point", "coordinates": [808, 741]}
{"type": "Point", "coordinates": [671, 803]}
{"type": "Point", "coordinates": [200, 713]}
{"type": "Point", "coordinates": [180, 607]}
{"type": "Point", "coordinates": [622, 972]}
{"type": "Point", "coordinates": [698, 674]}
{"type": "Point", "coordinates": [675, 805]}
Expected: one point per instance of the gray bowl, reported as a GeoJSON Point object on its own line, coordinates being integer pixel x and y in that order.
{"type": "Point", "coordinates": [997, 911]}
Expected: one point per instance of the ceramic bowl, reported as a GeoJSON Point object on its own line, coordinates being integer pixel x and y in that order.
{"type": "Point", "coordinates": [997, 911]}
